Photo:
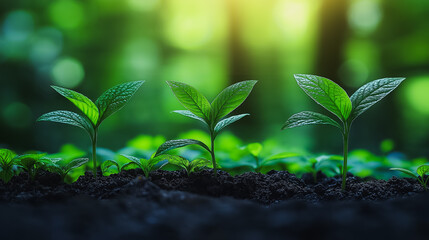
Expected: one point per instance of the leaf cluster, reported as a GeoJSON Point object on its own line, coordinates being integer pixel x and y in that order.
{"type": "Point", "coordinates": [420, 174]}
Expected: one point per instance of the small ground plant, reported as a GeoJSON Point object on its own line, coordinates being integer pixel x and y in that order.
{"type": "Point", "coordinates": [326, 164]}
{"type": "Point", "coordinates": [255, 150]}
{"type": "Point", "coordinates": [212, 115]}
{"type": "Point", "coordinates": [146, 165]}
{"type": "Point", "coordinates": [420, 174]}
{"type": "Point", "coordinates": [7, 160]}
{"type": "Point", "coordinates": [63, 167]}
{"type": "Point", "coordinates": [32, 163]}
{"type": "Point", "coordinates": [93, 113]}
{"type": "Point", "coordinates": [190, 166]}
{"type": "Point", "coordinates": [333, 98]}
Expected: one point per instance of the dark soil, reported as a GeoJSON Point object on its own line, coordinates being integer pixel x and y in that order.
{"type": "Point", "coordinates": [172, 205]}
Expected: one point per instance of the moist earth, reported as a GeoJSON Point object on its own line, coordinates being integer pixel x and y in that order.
{"type": "Point", "coordinates": [173, 205]}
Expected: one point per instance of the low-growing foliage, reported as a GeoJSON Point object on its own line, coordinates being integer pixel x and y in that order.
{"type": "Point", "coordinates": [63, 167]}
{"type": "Point", "coordinates": [333, 98]}
{"type": "Point", "coordinates": [146, 165]}
{"type": "Point", "coordinates": [211, 114]}
{"type": "Point", "coordinates": [328, 164]}
{"type": "Point", "coordinates": [255, 150]}
{"type": "Point", "coordinates": [32, 163]}
{"type": "Point", "coordinates": [189, 166]}
{"type": "Point", "coordinates": [93, 114]}
{"type": "Point", "coordinates": [420, 174]}
{"type": "Point", "coordinates": [7, 160]}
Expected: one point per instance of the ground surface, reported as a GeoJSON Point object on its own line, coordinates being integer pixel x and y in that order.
{"type": "Point", "coordinates": [250, 206]}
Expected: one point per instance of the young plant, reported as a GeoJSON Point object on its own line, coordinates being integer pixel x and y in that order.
{"type": "Point", "coordinates": [7, 160]}
{"type": "Point", "coordinates": [63, 167]}
{"type": "Point", "coordinates": [32, 163]}
{"type": "Point", "coordinates": [324, 163]}
{"type": "Point", "coordinates": [255, 150]}
{"type": "Point", "coordinates": [420, 176]}
{"type": "Point", "coordinates": [212, 115]}
{"type": "Point", "coordinates": [93, 114]}
{"type": "Point", "coordinates": [147, 165]}
{"type": "Point", "coordinates": [334, 99]}
{"type": "Point", "coordinates": [189, 166]}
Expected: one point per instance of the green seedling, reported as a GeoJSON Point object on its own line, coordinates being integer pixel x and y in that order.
{"type": "Point", "coordinates": [326, 164]}
{"type": "Point", "coordinates": [147, 165]}
{"type": "Point", "coordinates": [422, 171]}
{"type": "Point", "coordinates": [93, 113]}
{"type": "Point", "coordinates": [63, 167]}
{"type": "Point", "coordinates": [32, 163]}
{"type": "Point", "coordinates": [212, 115]}
{"type": "Point", "coordinates": [334, 99]}
{"type": "Point", "coordinates": [255, 150]}
{"type": "Point", "coordinates": [7, 160]}
{"type": "Point", "coordinates": [190, 166]}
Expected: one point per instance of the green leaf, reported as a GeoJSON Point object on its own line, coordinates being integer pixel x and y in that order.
{"type": "Point", "coordinates": [372, 92]}
{"type": "Point", "coordinates": [67, 117]}
{"type": "Point", "coordinates": [326, 93]}
{"type": "Point", "coordinates": [230, 98]}
{"type": "Point", "coordinates": [191, 99]}
{"type": "Point", "coordinates": [75, 164]}
{"type": "Point", "coordinates": [81, 102]}
{"type": "Point", "coordinates": [133, 159]}
{"type": "Point", "coordinates": [115, 98]}
{"type": "Point", "coordinates": [254, 149]}
{"type": "Point", "coordinates": [227, 121]}
{"type": "Point", "coordinates": [189, 114]}
{"type": "Point", "coordinates": [178, 161]}
{"type": "Point", "coordinates": [423, 170]}
{"type": "Point", "coordinates": [173, 144]}
{"type": "Point", "coordinates": [199, 163]}
{"type": "Point", "coordinates": [406, 171]}
{"type": "Point", "coordinates": [282, 155]}
{"type": "Point", "coordinates": [129, 166]}
{"type": "Point", "coordinates": [309, 118]}
{"type": "Point", "coordinates": [7, 157]}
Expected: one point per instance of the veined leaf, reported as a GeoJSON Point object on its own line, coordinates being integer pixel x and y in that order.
{"type": "Point", "coordinates": [326, 93]}
{"type": "Point", "coordinates": [191, 99]}
{"type": "Point", "coordinates": [81, 102]}
{"type": "Point", "coordinates": [309, 118]}
{"type": "Point", "coordinates": [372, 92]}
{"type": "Point", "coordinates": [227, 121]}
{"type": "Point", "coordinates": [133, 159]}
{"type": "Point", "coordinates": [406, 171]}
{"type": "Point", "coordinates": [199, 163]}
{"type": "Point", "coordinates": [75, 164]}
{"type": "Point", "coordinates": [115, 98]}
{"type": "Point", "coordinates": [173, 144]}
{"type": "Point", "coordinates": [107, 164]}
{"type": "Point", "coordinates": [67, 117]}
{"type": "Point", "coordinates": [423, 170]}
{"type": "Point", "coordinates": [189, 114]}
{"type": "Point", "coordinates": [178, 161]}
{"type": "Point", "coordinates": [230, 98]}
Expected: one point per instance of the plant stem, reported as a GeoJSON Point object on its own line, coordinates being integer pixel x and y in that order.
{"type": "Point", "coordinates": [346, 149]}
{"type": "Point", "coordinates": [94, 153]}
{"type": "Point", "coordinates": [212, 152]}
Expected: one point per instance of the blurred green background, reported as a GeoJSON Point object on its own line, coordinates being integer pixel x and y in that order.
{"type": "Point", "coordinates": [92, 45]}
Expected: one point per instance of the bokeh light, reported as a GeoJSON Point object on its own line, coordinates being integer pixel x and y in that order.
{"type": "Point", "coordinates": [417, 94]}
{"type": "Point", "coordinates": [364, 15]}
{"type": "Point", "coordinates": [68, 72]}
{"type": "Point", "coordinates": [67, 14]}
